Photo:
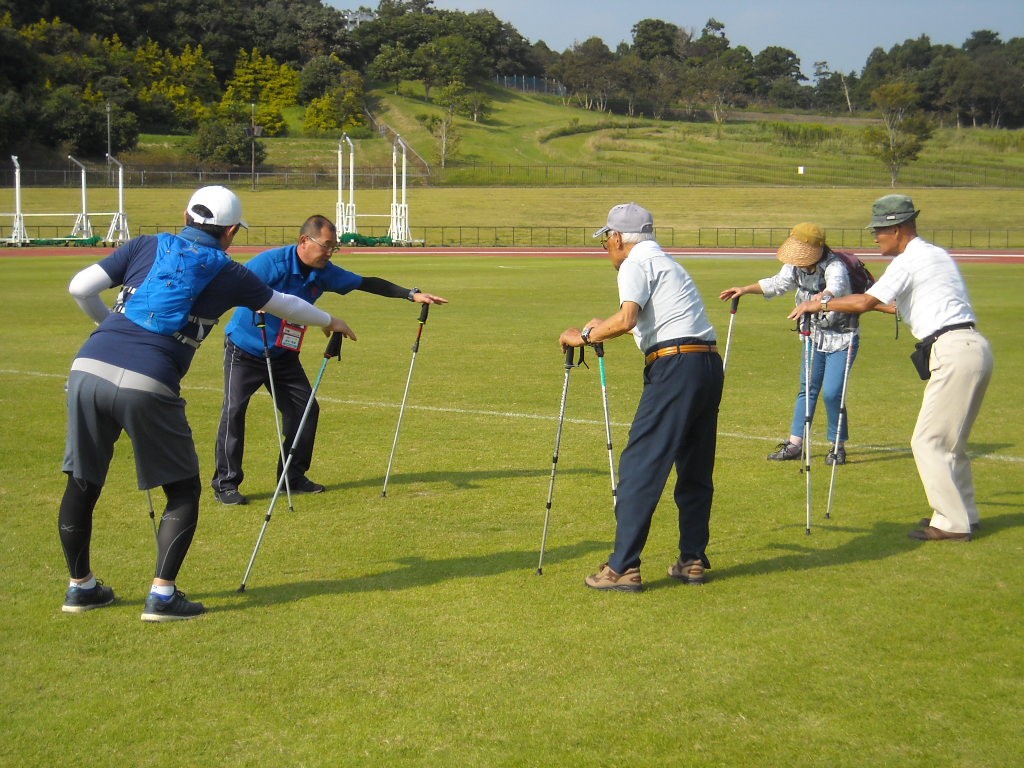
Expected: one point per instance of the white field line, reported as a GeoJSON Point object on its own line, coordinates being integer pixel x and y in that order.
{"type": "Point", "coordinates": [524, 416]}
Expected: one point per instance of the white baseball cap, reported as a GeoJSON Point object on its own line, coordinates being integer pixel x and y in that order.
{"type": "Point", "coordinates": [216, 205]}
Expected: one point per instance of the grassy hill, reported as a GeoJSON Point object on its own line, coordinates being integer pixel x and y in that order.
{"type": "Point", "coordinates": [537, 141]}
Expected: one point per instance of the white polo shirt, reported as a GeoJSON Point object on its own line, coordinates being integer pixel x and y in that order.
{"type": "Point", "coordinates": [927, 287]}
{"type": "Point", "coordinates": [671, 307]}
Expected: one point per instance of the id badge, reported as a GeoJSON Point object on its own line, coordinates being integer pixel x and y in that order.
{"type": "Point", "coordinates": [290, 336]}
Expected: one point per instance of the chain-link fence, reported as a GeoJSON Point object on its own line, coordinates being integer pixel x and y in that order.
{"type": "Point", "coordinates": [717, 238]}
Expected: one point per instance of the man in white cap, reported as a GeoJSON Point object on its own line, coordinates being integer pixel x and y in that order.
{"type": "Point", "coordinates": [127, 376]}
{"type": "Point", "coordinates": [812, 270]}
{"type": "Point", "coordinates": [924, 282]}
{"type": "Point", "coordinates": [676, 421]}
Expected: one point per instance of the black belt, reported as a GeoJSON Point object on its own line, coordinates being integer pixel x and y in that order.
{"type": "Point", "coordinates": [948, 328]}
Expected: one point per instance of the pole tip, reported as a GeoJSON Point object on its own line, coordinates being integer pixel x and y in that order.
{"type": "Point", "coordinates": [242, 588]}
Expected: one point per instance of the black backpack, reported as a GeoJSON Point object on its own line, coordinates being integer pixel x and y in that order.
{"type": "Point", "coordinates": [860, 277]}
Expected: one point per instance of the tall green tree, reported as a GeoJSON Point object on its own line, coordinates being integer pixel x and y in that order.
{"type": "Point", "coordinates": [904, 129]}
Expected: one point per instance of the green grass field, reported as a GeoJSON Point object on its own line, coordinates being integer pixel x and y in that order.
{"type": "Point", "coordinates": [743, 216]}
{"type": "Point", "coordinates": [412, 630]}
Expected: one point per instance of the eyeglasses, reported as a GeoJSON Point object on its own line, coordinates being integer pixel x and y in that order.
{"type": "Point", "coordinates": [605, 239]}
{"type": "Point", "coordinates": [331, 249]}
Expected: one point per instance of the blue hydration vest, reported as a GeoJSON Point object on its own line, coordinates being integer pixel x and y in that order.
{"type": "Point", "coordinates": [180, 272]}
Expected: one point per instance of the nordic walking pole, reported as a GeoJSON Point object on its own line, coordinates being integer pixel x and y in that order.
{"type": "Point", "coordinates": [333, 350]}
{"type": "Point", "coordinates": [261, 323]}
{"type": "Point", "coordinates": [554, 459]}
{"type": "Point", "coordinates": [805, 331]}
{"type": "Point", "coordinates": [728, 339]}
{"type": "Point", "coordinates": [408, 380]}
{"type": "Point", "coordinates": [839, 428]}
{"type": "Point", "coordinates": [152, 512]}
{"type": "Point", "coordinates": [599, 350]}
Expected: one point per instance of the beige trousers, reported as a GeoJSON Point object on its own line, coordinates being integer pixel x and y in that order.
{"type": "Point", "coordinates": [961, 366]}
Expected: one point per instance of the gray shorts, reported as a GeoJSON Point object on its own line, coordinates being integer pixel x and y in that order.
{"type": "Point", "coordinates": [100, 409]}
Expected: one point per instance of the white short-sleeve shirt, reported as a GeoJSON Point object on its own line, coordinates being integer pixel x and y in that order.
{"type": "Point", "coordinates": [927, 287]}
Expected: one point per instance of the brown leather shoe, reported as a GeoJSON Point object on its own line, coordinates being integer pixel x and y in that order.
{"type": "Point", "coordinates": [687, 571]}
{"type": "Point", "coordinates": [607, 579]}
{"type": "Point", "coordinates": [925, 522]}
{"type": "Point", "coordinates": [931, 533]}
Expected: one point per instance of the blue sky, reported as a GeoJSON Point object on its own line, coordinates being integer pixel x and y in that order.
{"type": "Point", "coordinates": [841, 33]}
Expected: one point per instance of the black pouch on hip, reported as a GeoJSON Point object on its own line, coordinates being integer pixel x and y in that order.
{"type": "Point", "coordinates": [921, 357]}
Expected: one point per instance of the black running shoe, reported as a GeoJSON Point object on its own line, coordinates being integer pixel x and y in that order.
{"type": "Point", "coordinates": [78, 600]}
{"type": "Point", "coordinates": [176, 608]}
{"type": "Point", "coordinates": [230, 496]}
{"type": "Point", "coordinates": [305, 485]}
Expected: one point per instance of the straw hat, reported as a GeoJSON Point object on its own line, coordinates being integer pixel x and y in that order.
{"type": "Point", "coordinates": [804, 246]}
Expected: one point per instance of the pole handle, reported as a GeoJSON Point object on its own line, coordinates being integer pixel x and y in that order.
{"type": "Point", "coordinates": [598, 348]}
{"type": "Point", "coordinates": [569, 353]}
{"type": "Point", "coordinates": [805, 324]}
{"type": "Point", "coordinates": [333, 346]}
{"type": "Point", "coordinates": [735, 305]}
{"type": "Point", "coordinates": [423, 313]}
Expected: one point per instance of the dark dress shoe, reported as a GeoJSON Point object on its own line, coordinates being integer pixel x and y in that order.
{"type": "Point", "coordinates": [931, 533]}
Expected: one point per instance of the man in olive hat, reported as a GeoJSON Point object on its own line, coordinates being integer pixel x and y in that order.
{"type": "Point", "coordinates": [955, 359]}
{"type": "Point", "coordinates": [810, 268]}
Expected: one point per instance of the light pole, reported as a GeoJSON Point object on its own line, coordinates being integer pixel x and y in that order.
{"type": "Point", "coordinates": [108, 143]}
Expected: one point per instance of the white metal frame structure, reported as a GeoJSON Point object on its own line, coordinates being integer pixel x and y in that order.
{"type": "Point", "coordinates": [399, 229]}
{"type": "Point", "coordinates": [345, 217]}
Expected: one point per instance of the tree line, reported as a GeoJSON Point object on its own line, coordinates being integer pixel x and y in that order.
{"type": "Point", "coordinates": [85, 75]}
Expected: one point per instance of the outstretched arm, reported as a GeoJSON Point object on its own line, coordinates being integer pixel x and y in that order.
{"type": "Point", "coordinates": [380, 287]}
{"type": "Point", "coordinates": [854, 304]}
{"type": "Point", "coordinates": [737, 291]}
{"type": "Point", "coordinates": [295, 309]}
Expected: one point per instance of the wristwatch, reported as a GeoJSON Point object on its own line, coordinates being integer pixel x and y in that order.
{"type": "Point", "coordinates": [412, 294]}
{"type": "Point", "coordinates": [824, 303]}
{"type": "Point", "coordinates": [585, 335]}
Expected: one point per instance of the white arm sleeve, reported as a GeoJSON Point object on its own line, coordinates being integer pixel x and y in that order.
{"type": "Point", "coordinates": [295, 309]}
{"type": "Point", "coordinates": [86, 288]}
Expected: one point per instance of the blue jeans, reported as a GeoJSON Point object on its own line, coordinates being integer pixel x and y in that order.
{"type": "Point", "coordinates": [827, 372]}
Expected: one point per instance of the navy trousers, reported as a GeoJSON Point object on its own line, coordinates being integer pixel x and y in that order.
{"type": "Point", "coordinates": [676, 424]}
{"type": "Point", "coordinates": [243, 375]}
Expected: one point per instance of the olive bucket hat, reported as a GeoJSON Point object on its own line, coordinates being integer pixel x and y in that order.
{"type": "Point", "coordinates": [891, 210]}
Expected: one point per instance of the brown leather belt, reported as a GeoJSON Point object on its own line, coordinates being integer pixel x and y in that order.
{"type": "Point", "coordinates": [680, 350]}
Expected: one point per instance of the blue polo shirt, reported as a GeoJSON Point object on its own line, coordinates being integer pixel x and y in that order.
{"type": "Point", "coordinates": [281, 269]}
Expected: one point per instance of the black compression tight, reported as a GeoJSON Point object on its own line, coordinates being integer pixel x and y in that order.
{"type": "Point", "coordinates": [75, 523]}
{"type": "Point", "coordinates": [177, 525]}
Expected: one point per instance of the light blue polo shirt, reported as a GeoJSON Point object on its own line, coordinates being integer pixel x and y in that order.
{"type": "Point", "coordinates": [671, 307]}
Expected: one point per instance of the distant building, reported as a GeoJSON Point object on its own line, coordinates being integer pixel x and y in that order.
{"type": "Point", "coordinates": [354, 18]}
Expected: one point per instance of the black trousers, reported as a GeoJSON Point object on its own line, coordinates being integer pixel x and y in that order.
{"type": "Point", "coordinates": [676, 424]}
{"type": "Point", "coordinates": [243, 375]}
